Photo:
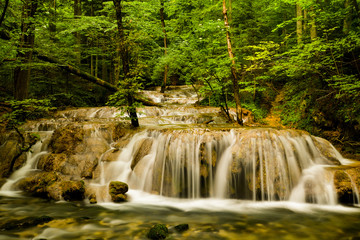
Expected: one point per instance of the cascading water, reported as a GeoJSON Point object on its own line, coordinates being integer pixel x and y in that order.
{"type": "Point", "coordinates": [249, 164]}
{"type": "Point", "coordinates": [39, 149]}
{"type": "Point", "coordinates": [185, 165]}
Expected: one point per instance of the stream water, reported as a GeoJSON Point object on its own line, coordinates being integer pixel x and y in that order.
{"type": "Point", "coordinates": [225, 182]}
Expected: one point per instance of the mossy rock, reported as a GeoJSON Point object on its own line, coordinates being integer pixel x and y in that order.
{"type": "Point", "coordinates": [182, 227]}
{"type": "Point", "coordinates": [119, 198]}
{"type": "Point", "coordinates": [158, 231]}
{"type": "Point", "coordinates": [73, 190]}
{"type": "Point", "coordinates": [117, 191]}
{"type": "Point", "coordinates": [38, 184]}
{"type": "Point", "coordinates": [24, 223]}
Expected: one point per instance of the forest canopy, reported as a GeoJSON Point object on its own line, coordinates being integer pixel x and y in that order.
{"type": "Point", "coordinates": [300, 57]}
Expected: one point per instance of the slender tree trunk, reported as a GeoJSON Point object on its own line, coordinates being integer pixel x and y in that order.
{"type": "Point", "coordinates": [299, 23]}
{"type": "Point", "coordinates": [162, 17]}
{"type": "Point", "coordinates": [52, 19]}
{"type": "Point", "coordinates": [347, 20]}
{"type": "Point", "coordinates": [313, 31]}
{"type": "Point", "coordinates": [77, 15]}
{"type": "Point", "coordinates": [233, 68]}
{"type": "Point", "coordinates": [4, 11]}
{"type": "Point", "coordinates": [25, 51]}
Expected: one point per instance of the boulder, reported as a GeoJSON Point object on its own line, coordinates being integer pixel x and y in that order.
{"type": "Point", "coordinates": [158, 231]}
{"type": "Point", "coordinates": [182, 227]}
{"type": "Point", "coordinates": [73, 190]}
{"type": "Point", "coordinates": [66, 139]}
{"type": "Point", "coordinates": [118, 190]}
{"type": "Point", "coordinates": [39, 184]}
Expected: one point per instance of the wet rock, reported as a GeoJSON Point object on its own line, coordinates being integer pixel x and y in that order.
{"type": "Point", "coordinates": [73, 190]}
{"type": "Point", "coordinates": [66, 139]}
{"type": "Point", "coordinates": [38, 184]}
{"type": "Point", "coordinates": [11, 155]}
{"type": "Point", "coordinates": [24, 223]}
{"type": "Point", "coordinates": [182, 227]}
{"type": "Point", "coordinates": [158, 231]}
{"type": "Point", "coordinates": [143, 149]}
{"type": "Point", "coordinates": [52, 162]}
{"type": "Point", "coordinates": [92, 199]}
{"type": "Point", "coordinates": [344, 187]}
{"type": "Point", "coordinates": [118, 190]}
{"type": "Point", "coordinates": [111, 155]}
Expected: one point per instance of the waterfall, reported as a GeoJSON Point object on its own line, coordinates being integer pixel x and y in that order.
{"type": "Point", "coordinates": [248, 164]}
{"type": "Point", "coordinates": [32, 157]}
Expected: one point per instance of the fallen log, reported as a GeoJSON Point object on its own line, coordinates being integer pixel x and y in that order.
{"type": "Point", "coordinates": [90, 78]}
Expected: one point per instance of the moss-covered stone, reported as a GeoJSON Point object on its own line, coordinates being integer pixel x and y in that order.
{"type": "Point", "coordinates": [182, 227]}
{"type": "Point", "coordinates": [117, 191]}
{"type": "Point", "coordinates": [38, 184]}
{"type": "Point", "coordinates": [73, 190]}
{"type": "Point", "coordinates": [158, 231]}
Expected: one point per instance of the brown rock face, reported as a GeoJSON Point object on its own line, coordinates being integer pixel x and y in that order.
{"type": "Point", "coordinates": [12, 153]}
{"type": "Point", "coordinates": [53, 186]}
{"type": "Point", "coordinates": [347, 182]}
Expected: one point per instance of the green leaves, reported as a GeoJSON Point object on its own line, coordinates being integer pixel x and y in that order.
{"type": "Point", "coordinates": [28, 109]}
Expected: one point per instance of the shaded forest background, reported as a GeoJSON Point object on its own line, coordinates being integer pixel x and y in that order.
{"type": "Point", "coordinates": [299, 58]}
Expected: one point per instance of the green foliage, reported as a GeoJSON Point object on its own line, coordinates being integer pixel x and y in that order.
{"type": "Point", "coordinates": [28, 109]}
{"type": "Point", "coordinates": [258, 112]}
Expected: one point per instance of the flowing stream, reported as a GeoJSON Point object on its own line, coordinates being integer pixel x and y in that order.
{"type": "Point", "coordinates": [187, 165]}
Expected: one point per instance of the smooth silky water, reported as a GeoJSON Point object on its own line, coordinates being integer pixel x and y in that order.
{"type": "Point", "coordinates": [226, 183]}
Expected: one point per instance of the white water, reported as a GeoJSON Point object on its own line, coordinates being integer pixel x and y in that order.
{"type": "Point", "coordinates": [32, 157]}
{"type": "Point", "coordinates": [247, 164]}
{"type": "Point", "coordinates": [255, 164]}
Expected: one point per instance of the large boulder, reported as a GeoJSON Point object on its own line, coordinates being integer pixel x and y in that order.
{"type": "Point", "coordinates": [13, 151]}
{"type": "Point", "coordinates": [52, 185]}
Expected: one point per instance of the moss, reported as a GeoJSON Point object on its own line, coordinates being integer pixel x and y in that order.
{"type": "Point", "coordinates": [117, 191]}
{"type": "Point", "coordinates": [73, 190]}
{"type": "Point", "coordinates": [158, 231]}
{"type": "Point", "coordinates": [182, 227]}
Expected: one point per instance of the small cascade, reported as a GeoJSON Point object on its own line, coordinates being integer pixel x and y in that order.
{"type": "Point", "coordinates": [32, 157]}
{"type": "Point", "coordinates": [248, 164]}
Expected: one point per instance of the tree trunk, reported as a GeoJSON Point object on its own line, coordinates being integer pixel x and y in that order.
{"type": "Point", "coordinates": [313, 31]}
{"type": "Point", "coordinates": [299, 23]}
{"type": "Point", "coordinates": [77, 14]}
{"type": "Point", "coordinates": [4, 11]}
{"type": "Point", "coordinates": [233, 68]}
{"type": "Point", "coordinates": [162, 17]}
{"type": "Point", "coordinates": [52, 19]}
{"type": "Point", "coordinates": [347, 20]}
{"type": "Point", "coordinates": [123, 49]}
{"type": "Point", "coordinates": [25, 51]}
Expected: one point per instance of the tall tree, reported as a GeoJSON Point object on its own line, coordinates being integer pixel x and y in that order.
{"type": "Point", "coordinates": [25, 50]}
{"type": "Point", "coordinates": [233, 67]}
{"type": "Point", "coordinates": [124, 53]}
{"type": "Point", "coordinates": [162, 17]}
{"type": "Point", "coordinates": [299, 23]}
{"type": "Point", "coordinates": [77, 15]}
{"type": "Point", "coordinates": [4, 11]}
